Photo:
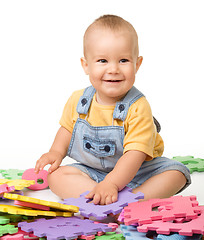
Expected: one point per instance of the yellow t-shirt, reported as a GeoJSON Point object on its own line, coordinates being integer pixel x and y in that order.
{"type": "Point", "coordinates": [140, 130]}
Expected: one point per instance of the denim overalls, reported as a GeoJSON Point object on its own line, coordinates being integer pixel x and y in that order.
{"type": "Point", "coordinates": [97, 149]}
{"type": "Point", "coordinates": [100, 147]}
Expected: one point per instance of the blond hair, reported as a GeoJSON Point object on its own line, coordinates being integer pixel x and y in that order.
{"type": "Point", "coordinates": [114, 23]}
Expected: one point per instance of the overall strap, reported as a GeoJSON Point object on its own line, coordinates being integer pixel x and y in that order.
{"type": "Point", "coordinates": [121, 108]}
{"type": "Point", "coordinates": [85, 100]}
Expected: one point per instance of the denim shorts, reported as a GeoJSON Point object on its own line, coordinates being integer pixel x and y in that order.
{"type": "Point", "coordinates": [147, 170]}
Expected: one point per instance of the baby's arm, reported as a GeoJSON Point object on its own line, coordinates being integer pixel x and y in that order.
{"type": "Point", "coordinates": [57, 151]}
{"type": "Point", "coordinates": [106, 192]}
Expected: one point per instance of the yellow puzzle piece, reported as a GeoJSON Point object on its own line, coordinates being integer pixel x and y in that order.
{"type": "Point", "coordinates": [30, 212]}
{"type": "Point", "coordinates": [50, 204]}
{"type": "Point", "coordinates": [19, 184]}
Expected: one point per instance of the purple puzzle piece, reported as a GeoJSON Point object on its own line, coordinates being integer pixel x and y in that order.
{"type": "Point", "coordinates": [63, 228]}
{"type": "Point", "coordinates": [88, 209]}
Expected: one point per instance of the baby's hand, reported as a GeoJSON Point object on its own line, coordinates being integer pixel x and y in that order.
{"type": "Point", "coordinates": [104, 193]}
{"type": "Point", "coordinates": [53, 158]}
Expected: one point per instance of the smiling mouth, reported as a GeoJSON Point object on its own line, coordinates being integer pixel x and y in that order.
{"type": "Point", "coordinates": [113, 81]}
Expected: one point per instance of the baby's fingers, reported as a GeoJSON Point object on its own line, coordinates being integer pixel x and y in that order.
{"type": "Point", "coordinates": [90, 195]}
{"type": "Point", "coordinates": [53, 167]}
{"type": "Point", "coordinates": [40, 164]}
{"type": "Point", "coordinates": [97, 199]}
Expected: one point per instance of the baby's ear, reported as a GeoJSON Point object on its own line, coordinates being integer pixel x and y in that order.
{"type": "Point", "coordinates": [84, 64]}
{"type": "Point", "coordinates": [139, 62]}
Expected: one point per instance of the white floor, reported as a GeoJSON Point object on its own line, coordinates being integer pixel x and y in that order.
{"type": "Point", "coordinates": [196, 188]}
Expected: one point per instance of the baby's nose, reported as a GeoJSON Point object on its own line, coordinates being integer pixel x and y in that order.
{"type": "Point", "coordinates": [113, 68]}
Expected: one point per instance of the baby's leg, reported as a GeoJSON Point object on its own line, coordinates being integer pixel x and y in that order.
{"type": "Point", "coordinates": [163, 185]}
{"type": "Point", "coordinates": [68, 181]}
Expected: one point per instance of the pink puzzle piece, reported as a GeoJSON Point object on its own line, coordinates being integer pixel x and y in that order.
{"type": "Point", "coordinates": [175, 207]}
{"type": "Point", "coordinates": [40, 178]}
{"type": "Point", "coordinates": [20, 235]}
{"type": "Point", "coordinates": [31, 205]}
{"type": "Point", "coordinates": [194, 226]}
{"type": "Point", "coordinates": [4, 188]}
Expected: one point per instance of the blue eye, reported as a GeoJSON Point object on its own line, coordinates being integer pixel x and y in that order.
{"type": "Point", "coordinates": [102, 61]}
{"type": "Point", "coordinates": [124, 60]}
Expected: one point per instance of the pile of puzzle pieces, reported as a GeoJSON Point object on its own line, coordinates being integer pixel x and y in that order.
{"type": "Point", "coordinates": [176, 217]}
{"type": "Point", "coordinates": [32, 218]}
{"type": "Point", "coordinates": [22, 217]}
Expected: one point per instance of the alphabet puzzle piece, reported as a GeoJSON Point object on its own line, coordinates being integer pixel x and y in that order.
{"type": "Point", "coordinates": [193, 164]}
{"type": "Point", "coordinates": [19, 184]}
{"type": "Point", "coordinates": [63, 228]}
{"type": "Point", "coordinates": [30, 212]}
{"type": "Point", "coordinates": [20, 235]}
{"type": "Point", "coordinates": [10, 218]}
{"type": "Point", "coordinates": [11, 173]}
{"type": "Point", "coordinates": [8, 229]}
{"type": "Point", "coordinates": [40, 178]}
{"type": "Point", "coordinates": [31, 205]}
{"type": "Point", "coordinates": [4, 188]}
{"type": "Point", "coordinates": [177, 207]}
{"type": "Point", "coordinates": [131, 233]}
{"type": "Point", "coordinates": [88, 209]}
{"type": "Point", "coordinates": [195, 225]}
{"type": "Point", "coordinates": [54, 205]}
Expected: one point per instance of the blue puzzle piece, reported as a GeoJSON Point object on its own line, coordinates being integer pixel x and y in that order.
{"type": "Point", "coordinates": [131, 233]}
{"type": "Point", "coordinates": [176, 236]}
{"type": "Point", "coordinates": [88, 209]}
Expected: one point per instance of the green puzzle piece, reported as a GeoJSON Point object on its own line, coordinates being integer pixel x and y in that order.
{"type": "Point", "coordinates": [193, 164]}
{"type": "Point", "coordinates": [11, 229]}
{"type": "Point", "coordinates": [12, 174]}
{"type": "Point", "coordinates": [111, 236]}
{"type": "Point", "coordinates": [12, 218]}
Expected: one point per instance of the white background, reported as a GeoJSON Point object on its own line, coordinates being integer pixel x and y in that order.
{"type": "Point", "coordinates": [40, 50]}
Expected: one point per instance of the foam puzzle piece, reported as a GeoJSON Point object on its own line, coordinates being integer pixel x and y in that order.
{"type": "Point", "coordinates": [19, 184]}
{"type": "Point", "coordinates": [193, 164]}
{"type": "Point", "coordinates": [13, 237]}
{"type": "Point", "coordinates": [31, 205]}
{"type": "Point", "coordinates": [88, 209]}
{"type": "Point", "coordinates": [19, 192]}
{"type": "Point", "coordinates": [111, 236]}
{"type": "Point", "coordinates": [10, 218]}
{"type": "Point", "coordinates": [20, 235]}
{"type": "Point", "coordinates": [178, 206]}
{"type": "Point", "coordinates": [196, 226]}
{"type": "Point", "coordinates": [39, 178]}
{"type": "Point", "coordinates": [89, 237]}
{"type": "Point", "coordinates": [4, 188]}
{"type": "Point", "coordinates": [63, 228]}
{"type": "Point", "coordinates": [4, 229]}
{"type": "Point", "coordinates": [121, 218]}
{"type": "Point", "coordinates": [131, 233]}
{"type": "Point", "coordinates": [176, 236]}
{"type": "Point", "coordinates": [11, 173]}
{"type": "Point", "coordinates": [108, 235]}
{"type": "Point", "coordinates": [30, 212]}
{"type": "Point", "coordinates": [54, 205]}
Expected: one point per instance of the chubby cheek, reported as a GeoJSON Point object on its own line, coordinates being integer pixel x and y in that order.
{"type": "Point", "coordinates": [96, 74]}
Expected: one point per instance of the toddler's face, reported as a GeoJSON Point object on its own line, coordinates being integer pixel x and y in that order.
{"type": "Point", "coordinates": [111, 63]}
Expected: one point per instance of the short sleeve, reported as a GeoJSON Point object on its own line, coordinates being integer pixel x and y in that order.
{"type": "Point", "coordinates": [69, 115]}
{"type": "Point", "coordinates": [140, 128]}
